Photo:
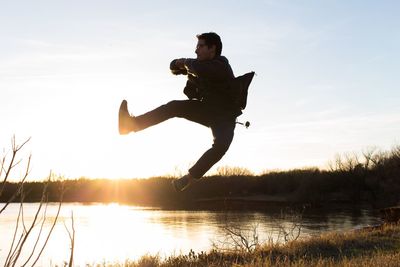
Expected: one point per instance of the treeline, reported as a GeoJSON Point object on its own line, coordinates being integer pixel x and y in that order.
{"type": "Point", "coordinates": [373, 177]}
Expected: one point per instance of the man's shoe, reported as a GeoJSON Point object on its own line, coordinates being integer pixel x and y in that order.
{"type": "Point", "coordinates": [182, 183]}
{"type": "Point", "coordinates": [126, 122]}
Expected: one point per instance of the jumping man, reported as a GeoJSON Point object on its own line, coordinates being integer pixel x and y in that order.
{"type": "Point", "coordinates": [209, 104]}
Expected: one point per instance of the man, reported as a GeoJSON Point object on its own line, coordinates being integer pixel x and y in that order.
{"type": "Point", "coordinates": [209, 104]}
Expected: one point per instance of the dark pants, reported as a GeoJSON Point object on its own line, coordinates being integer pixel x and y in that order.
{"type": "Point", "coordinates": [222, 127]}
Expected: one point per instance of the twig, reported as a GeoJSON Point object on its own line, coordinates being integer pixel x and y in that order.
{"type": "Point", "coordinates": [20, 184]}
{"type": "Point", "coordinates": [52, 227]}
{"type": "Point", "coordinates": [72, 239]}
{"type": "Point", "coordinates": [14, 237]}
{"type": "Point", "coordinates": [3, 161]}
{"type": "Point", "coordinates": [39, 234]}
{"type": "Point", "coordinates": [27, 233]}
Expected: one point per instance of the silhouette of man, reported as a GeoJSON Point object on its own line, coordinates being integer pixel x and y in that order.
{"type": "Point", "coordinates": [209, 104]}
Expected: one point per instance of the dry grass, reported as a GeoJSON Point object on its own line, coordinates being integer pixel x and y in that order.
{"type": "Point", "coordinates": [376, 259]}
{"type": "Point", "coordinates": [368, 247]}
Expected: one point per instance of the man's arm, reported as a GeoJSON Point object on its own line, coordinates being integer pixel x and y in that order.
{"type": "Point", "coordinates": [177, 67]}
{"type": "Point", "coordinates": [180, 63]}
{"type": "Point", "coordinates": [212, 70]}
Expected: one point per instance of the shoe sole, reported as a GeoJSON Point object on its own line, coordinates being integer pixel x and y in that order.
{"type": "Point", "coordinates": [177, 189]}
{"type": "Point", "coordinates": [121, 118]}
{"type": "Point", "coordinates": [174, 186]}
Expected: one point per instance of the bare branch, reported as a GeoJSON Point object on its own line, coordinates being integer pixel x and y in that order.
{"type": "Point", "coordinates": [21, 231]}
{"type": "Point", "coordinates": [16, 163]}
{"type": "Point", "coordinates": [72, 239]}
{"type": "Point", "coordinates": [368, 155]}
{"type": "Point", "coordinates": [289, 230]}
{"type": "Point", "coordinates": [14, 237]}
{"type": "Point", "coordinates": [239, 239]}
{"type": "Point", "coordinates": [14, 257]}
{"type": "Point", "coordinates": [15, 147]}
{"type": "Point", "coordinates": [39, 234]}
{"type": "Point", "coordinates": [7, 172]}
{"type": "Point", "coordinates": [2, 169]}
{"type": "Point", "coordinates": [19, 189]}
{"type": "Point", "coordinates": [52, 227]}
{"type": "Point", "coordinates": [27, 233]}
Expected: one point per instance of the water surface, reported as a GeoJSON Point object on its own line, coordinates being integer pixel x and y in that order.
{"type": "Point", "coordinates": [113, 232]}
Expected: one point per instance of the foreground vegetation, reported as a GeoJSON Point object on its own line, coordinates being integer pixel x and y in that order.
{"type": "Point", "coordinates": [373, 177]}
{"type": "Point", "coordinates": [378, 246]}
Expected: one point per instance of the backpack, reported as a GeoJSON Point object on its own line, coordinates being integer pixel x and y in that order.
{"type": "Point", "coordinates": [239, 87]}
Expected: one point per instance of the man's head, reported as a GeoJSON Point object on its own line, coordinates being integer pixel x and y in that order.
{"type": "Point", "coordinates": [209, 46]}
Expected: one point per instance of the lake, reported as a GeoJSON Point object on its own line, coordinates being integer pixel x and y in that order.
{"type": "Point", "coordinates": [114, 233]}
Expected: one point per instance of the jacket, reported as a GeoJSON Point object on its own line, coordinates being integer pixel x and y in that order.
{"type": "Point", "coordinates": [209, 81]}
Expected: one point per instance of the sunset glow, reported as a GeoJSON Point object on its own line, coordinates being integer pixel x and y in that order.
{"type": "Point", "coordinates": [325, 83]}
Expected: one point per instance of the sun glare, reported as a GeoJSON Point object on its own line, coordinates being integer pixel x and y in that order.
{"type": "Point", "coordinates": [112, 230]}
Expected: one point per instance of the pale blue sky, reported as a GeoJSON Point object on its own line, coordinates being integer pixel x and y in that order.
{"type": "Point", "coordinates": [327, 81]}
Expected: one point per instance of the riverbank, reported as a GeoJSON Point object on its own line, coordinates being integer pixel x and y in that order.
{"type": "Point", "coordinates": [373, 181]}
{"type": "Point", "coordinates": [374, 246]}
{"type": "Point", "coordinates": [350, 180]}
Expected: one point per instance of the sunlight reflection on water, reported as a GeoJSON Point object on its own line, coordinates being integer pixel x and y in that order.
{"type": "Point", "coordinates": [114, 233]}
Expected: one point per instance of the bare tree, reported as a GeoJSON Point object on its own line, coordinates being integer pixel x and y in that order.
{"type": "Point", "coordinates": [6, 170]}
{"type": "Point", "coordinates": [233, 171]}
{"type": "Point", "coordinates": [368, 155]}
{"type": "Point", "coordinates": [350, 162]}
{"type": "Point", "coordinates": [395, 153]}
{"type": "Point", "coordinates": [238, 239]}
{"type": "Point", "coordinates": [23, 231]}
{"type": "Point", "coordinates": [289, 226]}
{"type": "Point", "coordinates": [247, 239]}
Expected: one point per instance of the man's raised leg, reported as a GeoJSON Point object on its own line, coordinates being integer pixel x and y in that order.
{"type": "Point", "coordinates": [192, 110]}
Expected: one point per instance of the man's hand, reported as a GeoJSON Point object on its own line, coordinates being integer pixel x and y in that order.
{"type": "Point", "coordinates": [180, 63]}
{"type": "Point", "coordinates": [177, 66]}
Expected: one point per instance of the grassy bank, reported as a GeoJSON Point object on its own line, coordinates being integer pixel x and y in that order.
{"type": "Point", "coordinates": [368, 247]}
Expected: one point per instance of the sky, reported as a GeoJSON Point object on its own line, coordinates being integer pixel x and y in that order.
{"type": "Point", "coordinates": [327, 82]}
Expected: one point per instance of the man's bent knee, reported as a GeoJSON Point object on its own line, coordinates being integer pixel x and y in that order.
{"type": "Point", "coordinates": [220, 148]}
